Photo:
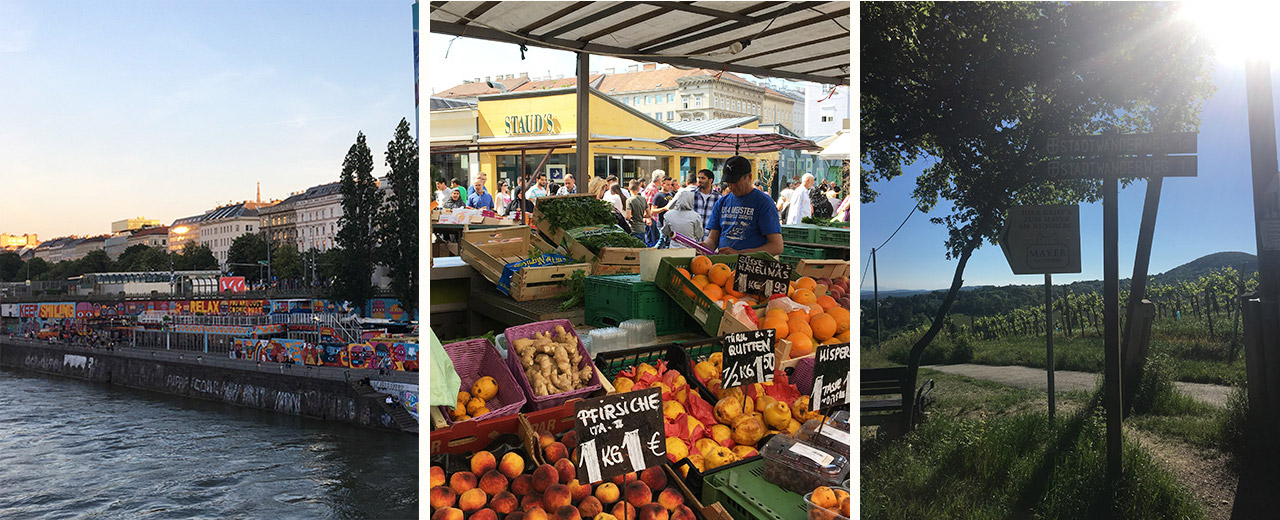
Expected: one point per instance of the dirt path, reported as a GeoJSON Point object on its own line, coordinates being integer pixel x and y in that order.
{"type": "Point", "coordinates": [1067, 380]}
{"type": "Point", "coordinates": [1205, 472]}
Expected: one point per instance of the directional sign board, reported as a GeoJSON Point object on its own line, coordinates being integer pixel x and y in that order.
{"type": "Point", "coordinates": [1121, 144]}
{"type": "Point", "coordinates": [1120, 156]}
{"type": "Point", "coordinates": [748, 358]}
{"type": "Point", "coordinates": [1042, 239]}
{"type": "Point", "coordinates": [619, 433]}
{"type": "Point", "coordinates": [1122, 167]}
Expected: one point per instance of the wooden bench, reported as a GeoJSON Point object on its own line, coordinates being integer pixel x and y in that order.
{"type": "Point", "coordinates": [891, 381]}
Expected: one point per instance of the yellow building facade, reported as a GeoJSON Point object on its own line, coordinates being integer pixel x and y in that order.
{"type": "Point", "coordinates": [631, 149]}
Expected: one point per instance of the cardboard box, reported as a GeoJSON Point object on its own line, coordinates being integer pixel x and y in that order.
{"type": "Point", "coordinates": [488, 251]}
{"type": "Point", "coordinates": [713, 319]}
{"type": "Point", "coordinates": [821, 268]}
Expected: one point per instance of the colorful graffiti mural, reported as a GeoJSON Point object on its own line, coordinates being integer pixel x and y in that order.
{"type": "Point", "coordinates": [398, 356]}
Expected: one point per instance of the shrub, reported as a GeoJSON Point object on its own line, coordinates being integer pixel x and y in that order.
{"type": "Point", "coordinates": [1232, 431]}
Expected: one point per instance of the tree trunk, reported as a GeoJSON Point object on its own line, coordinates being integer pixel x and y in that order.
{"type": "Point", "coordinates": [917, 350]}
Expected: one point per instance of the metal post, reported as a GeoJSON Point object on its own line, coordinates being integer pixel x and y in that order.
{"type": "Point", "coordinates": [1266, 214]}
{"type": "Point", "coordinates": [1111, 325]}
{"type": "Point", "coordinates": [1137, 335]}
{"type": "Point", "coordinates": [584, 110]}
{"type": "Point", "coordinates": [1048, 331]}
{"type": "Point", "coordinates": [875, 285]}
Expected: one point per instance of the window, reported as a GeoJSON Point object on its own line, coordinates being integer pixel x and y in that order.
{"type": "Point", "coordinates": [828, 115]}
{"type": "Point", "coordinates": [671, 98]}
{"type": "Point", "coordinates": [685, 101]}
{"type": "Point", "coordinates": [657, 115]}
{"type": "Point", "coordinates": [670, 115]}
{"type": "Point", "coordinates": [648, 100]}
{"type": "Point", "coordinates": [697, 101]}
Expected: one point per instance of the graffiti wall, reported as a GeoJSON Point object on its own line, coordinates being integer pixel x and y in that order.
{"type": "Point", "coordinates": [407, 394]}
{"type": "Point", "coordinates": [389, 356]}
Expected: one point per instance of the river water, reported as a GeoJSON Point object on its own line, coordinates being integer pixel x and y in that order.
{"type": "Point", "coordinates": [76, 449]}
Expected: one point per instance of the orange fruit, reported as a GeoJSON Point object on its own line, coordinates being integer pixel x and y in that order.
{"type": "Point", "coordinates": [804, 282]}
{"type": "Point", "coordinates": [776, 311]}
{"type": "Point", "coordinates": [719, 274]}
{"type": "Point", "coordinates": [713, 291]}
{"type": "Point", "coordinates": [801, 344]}
{"type": "Point", "coordinates": [700, 265]}
{"type": "Point", "coordinates": [804, 296]}
{"type": "Point", "coordinates": [841, 316]}
{"type": "Point", "coordinates": [843, 337]}
{"type": "Point", "coordinates": [700, 280]}
{"type": "Point", "coordinates": [814, 308]}
{"type": "Point", "coordinates": [799, 326]}
{"type": "Point", "coordinates": [823, 325]}
{"type": "Point", "coordinates": [830, 341]}
{"type": "Point", "coordinates": [685, 272]}
{"type": "Point", "coordinates": [826, 302]}
{"type": "Point", "coordinates": [779, 326]}
{"type": "Point", "coordinates": [798, 315]}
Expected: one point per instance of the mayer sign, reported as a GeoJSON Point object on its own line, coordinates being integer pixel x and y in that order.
{"type": "Point", "coordinates": [1042, 239]}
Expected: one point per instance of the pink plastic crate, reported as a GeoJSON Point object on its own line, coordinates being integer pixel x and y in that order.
{"type": "Point", "coordinates": [476, 358]}
{"type": "Point", "coordinates": [513, 364]}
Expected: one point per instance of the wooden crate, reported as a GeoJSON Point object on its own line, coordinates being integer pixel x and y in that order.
{"type": "Point", "coordinates": [611, 260]}
{"type": "Point", "coordinates": [544, 226]}
{"type": "Point", "coordinates": [488, 251]}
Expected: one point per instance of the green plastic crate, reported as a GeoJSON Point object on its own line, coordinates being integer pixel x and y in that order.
{"type": "Point", "coordinates": [814, 253]}
{"type": "Point", "coordinates": [833, 236]}
{"type": "Point", "coordinates": [744, 493]}
{"type": "Point", "coordinates": [803, 233]}
{"type": "Point", "coordinates": [611, 300]}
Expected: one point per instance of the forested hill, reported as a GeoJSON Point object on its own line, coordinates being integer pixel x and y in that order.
{"type": "Point", "coordinates": [917, 309]}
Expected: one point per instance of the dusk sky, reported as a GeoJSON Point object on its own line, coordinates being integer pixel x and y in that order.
{"type": "Point", "coordinates": [1198, 216]}
{"type": "Point", "coordinates": [130, 108]}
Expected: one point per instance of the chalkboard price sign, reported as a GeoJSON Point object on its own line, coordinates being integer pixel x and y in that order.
{"type": "Point", "coordinates": [748, 358]}
{"type": "Point", "coordinates": [831, 371]}
{"type": "Point", "coordinates": [760, 276]}
{"type": "Point", "coordinates": [619, 433]}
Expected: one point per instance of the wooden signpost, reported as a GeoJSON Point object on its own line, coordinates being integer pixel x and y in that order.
{"type": "Point", "coordinates": [748, 358]}
{"type": "Point", "coordinates": [619, 433]}
{"type": "Point", "coordinates": [1112, 157]}
{"type": "Point", "coordinates": [760, 276]}
{"type": "Point", "coordinates": [1043, 240]}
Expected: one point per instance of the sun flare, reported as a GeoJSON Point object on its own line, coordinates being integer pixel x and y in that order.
{"type": "Point", "coordinates": [1237, 30]}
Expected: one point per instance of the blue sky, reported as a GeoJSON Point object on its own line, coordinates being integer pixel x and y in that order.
{"type": "Point", "coordinates": [166, 109]}
{"type": "Point", "coordinates": [1198, 216]}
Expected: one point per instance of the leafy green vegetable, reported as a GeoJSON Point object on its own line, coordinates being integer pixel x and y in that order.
{"type": "Point", "coordinates": [619, 239]}
{"type": "Point", "coordinates": [823, 222]}
{"type": "Point", "coordinates": [577, 294]}
{"type": "Point", "coordinates": [575, 212]}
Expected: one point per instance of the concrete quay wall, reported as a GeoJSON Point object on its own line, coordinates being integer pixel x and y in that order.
{"type": "Point", "coordinates": [316, 392]}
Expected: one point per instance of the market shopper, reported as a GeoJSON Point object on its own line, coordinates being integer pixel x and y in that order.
{"type": "Point", "coordinates": [784, 198]}
{"type": "Point", "coordinates": [638, 210]}
{"type": "Point", "coordinates": [802, 205]}
{"type": "Point", "coordinates": [539, 188]}
{"type": "Point", "coordinates": [457, 185]}
{"type": "Point", "coordinates": [658, 208]}
{"type": "Point", "coordinates": [455, 200]}
{"type": "Point", "coordinates": [706, 196]}
{"type": "Point", "coordinates": [480, 197]}
{"type": "Point", "coordinates": [655, 186]}
{"type": "Point", "coordinates": [570, 186]}
{"type": "Point", "coordinates": [745, 220]}
{"type": "Point", "coordinates": [681, 218]}
{"type": "Point", "coordinates": [613, 195]}
{"type": "Point", "coordinates": [504, 197]}
{"type": "Point", "coordinates": [442, 193]}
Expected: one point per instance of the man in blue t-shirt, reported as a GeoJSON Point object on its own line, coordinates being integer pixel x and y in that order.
{"type": "Point", "coordinates": [745, 220]}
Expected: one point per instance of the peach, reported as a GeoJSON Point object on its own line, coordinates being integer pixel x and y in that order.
{"type": "Point", "coordinates": [579, 491]}
{"type": "Point", "coordinates": [607, 493]}
{"type": "Point", "coordinates": [671, 499]}
{"type": "Point", "coordinates": [573, 457]}
{"type": "Point", "coordinates": [448, 513]}
{"type": "Point", "coordinates": [638, 493]}
{"type": "Point", "coordinates": [824, 496]}
{"type": "Point", "coordinates": [545, 438]}
{"type": "Point", "coordinates": [653, 511]}
{"type": "Point", "coordinates": [537, 513]}
{"type": "Point", "coordinates": [567, 513]}
{"type": "Point", "coordinates": [443, 497]}
{"type": "Point", "coordinates": [515, 515]}
{"type": "Point", "coordinates": [544, 477]}
{"type": "Point", "coordinates": [604, 516]}
{"type": "Point", "coordinates": [845, 505]}
{"type": "Point", "coordinates": [437, 476]}
{"type": "Point", "coordinates": [555, 451]}
{"type": "Point", "coordinates": [504, 502]}
{"type": "Point", "coordinates": [512, 465]}
{"type": "Point", "coordinates": [623, 510]}
{"type": "Point", "coordinates": [683, 513]}
{"type": "Point", "coordinates": [483, 462]}
{"type": "Point", "coordinates": [463, 481]}
{"type": "Point", "coordinates": [556, 495]}
{"type": "Point", "coordinates": [590, 507]}
{"type": "Point", "coordinates": [522, 485]}
{"type": "Point", "coordinates": [570, 439]}
{"type": "Point", "coordinates": [655, 477]}
{"type": "Point", "coordinates": [531, 501]}
{"type": "Point", "coordinates": [473, 500]}
{"type": "Point", "coordinates": [567, 470]}
{"type": "Point", "coordinates": [493, 483]}
{"type": "Point", "coordinates": [621, 480]}
{"type": "Point", "coordinates": [484, 514]}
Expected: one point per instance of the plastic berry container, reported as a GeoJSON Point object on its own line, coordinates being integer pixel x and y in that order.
{"type": "Point", "coordinates": [828, 437]}
{"type": "Point", "coordinates": [801, 467]}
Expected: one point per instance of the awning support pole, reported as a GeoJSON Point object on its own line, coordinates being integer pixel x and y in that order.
{"type": "Point", "coordinates": [584, 118]}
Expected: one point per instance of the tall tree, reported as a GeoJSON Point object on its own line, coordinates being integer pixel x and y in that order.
{"type": "Point", "coordinates": [398, 220]}
{"type": "Point", "coordinates": [357, 229]}
{"type": "Point", "coordinates": [35, 269]}
{"type": "Point", "coordinates": [10, 267]}
{"type": "Point", "coordinates": [197, 257]}
{"type": "Point", "coordinates": [96, 261]}
{"type": "Point", "coordinates": [286, 262]}
{"type": "Point", "coordinates": [244, 254]}
{"type": "Point", "coordinates": [976, 86]}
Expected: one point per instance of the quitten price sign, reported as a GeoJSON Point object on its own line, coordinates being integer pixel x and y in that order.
{"type": "Point", "coordinates": [619, 433]}
{"type": "Point", "coordinates": [748, 358]}
{"type": "Point", "coordinates": [831, 371]}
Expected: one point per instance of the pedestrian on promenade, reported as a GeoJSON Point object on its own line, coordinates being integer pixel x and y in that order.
{"type": "Point", "coordinates": [802, 205]}
{"type": "Point", "coordinates": [639, 211]}
{"type": "Point", "coordinates": [706, 195]}
{"type": "Point", "coordinates": [504, 198]}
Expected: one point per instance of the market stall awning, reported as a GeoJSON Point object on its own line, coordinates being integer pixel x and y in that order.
{"type": "Point", "coordinates": [738, 141]}
{"type": "Point", "coordinates": [807, 41]}
{"type": "Point", "coordinates": [841, 147]}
